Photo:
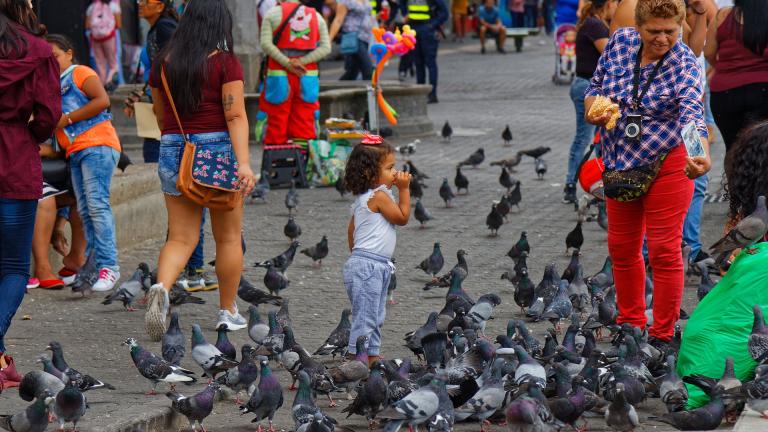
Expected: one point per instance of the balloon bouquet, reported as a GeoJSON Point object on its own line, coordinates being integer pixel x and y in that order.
{"type": "Point", "coordinates": [385, 46]}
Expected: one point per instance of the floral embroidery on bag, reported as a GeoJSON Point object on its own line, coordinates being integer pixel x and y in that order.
{"type": "Point", "coordinates": [215, 168]}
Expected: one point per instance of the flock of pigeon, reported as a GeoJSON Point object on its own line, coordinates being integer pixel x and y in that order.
{"type": "Point", "coordinates": [458, 372]}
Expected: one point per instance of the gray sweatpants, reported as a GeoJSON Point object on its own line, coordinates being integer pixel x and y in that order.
{"type": "Point", "coordinates": [366, 278]}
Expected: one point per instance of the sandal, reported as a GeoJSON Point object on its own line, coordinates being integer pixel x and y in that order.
{"type": "Point", "coordinates": [9, 377]}
{"type": "Point", "coordinates": [67, 276]}
{"type": "Point", "coordinates": [52, 284]}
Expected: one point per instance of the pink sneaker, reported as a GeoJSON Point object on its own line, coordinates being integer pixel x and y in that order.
{"type": "Point", "coordinates": [33, 283]}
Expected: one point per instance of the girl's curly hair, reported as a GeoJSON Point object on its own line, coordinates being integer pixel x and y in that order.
{"type": "Point", "coordinates": [363, 166]}
{"type": "Point", "coordinates": [746, 165]}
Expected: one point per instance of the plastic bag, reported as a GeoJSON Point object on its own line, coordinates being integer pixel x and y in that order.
{"type": "Point", "coordinates": [326, 161]}
{"type": "Point", "coordinates": [721, 324]}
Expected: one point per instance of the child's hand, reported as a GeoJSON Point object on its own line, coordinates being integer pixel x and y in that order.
{"type": "Point", "coordinates": [402, 179]}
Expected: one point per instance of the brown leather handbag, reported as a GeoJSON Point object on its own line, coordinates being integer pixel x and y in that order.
{"type": "Point", "coordinates": [215, 195]}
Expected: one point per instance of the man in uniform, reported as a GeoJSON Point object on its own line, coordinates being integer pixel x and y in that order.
{"type": "Point", "coordinates": [289, 108]}
{"type": "Point", "coordinates": [426, 17]}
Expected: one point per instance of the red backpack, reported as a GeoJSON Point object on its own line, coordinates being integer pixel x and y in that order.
{"type": "Point", "coordinates": [102, 19]}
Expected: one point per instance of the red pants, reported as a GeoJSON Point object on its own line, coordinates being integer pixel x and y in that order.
{"type": "Point", "coordinates": [658, 215]}
{"type": "Point", "coordinates": [290, 104]}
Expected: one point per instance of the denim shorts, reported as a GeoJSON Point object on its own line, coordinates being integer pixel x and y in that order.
{"type": "Point", "coordinates": [172, 149]}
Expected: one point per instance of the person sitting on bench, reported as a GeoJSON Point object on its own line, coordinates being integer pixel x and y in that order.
{"type": "Point", "coordinates": [490, 22]}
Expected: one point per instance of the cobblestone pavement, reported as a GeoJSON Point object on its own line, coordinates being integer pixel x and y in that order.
{"type": "Point", "coordinates": [478, 95]}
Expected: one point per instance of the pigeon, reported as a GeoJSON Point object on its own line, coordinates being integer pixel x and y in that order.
{"type": "Point", "coordinates": [173, 345]}
{"type": "Point", "coordinates": [249, 293]}
{"type": "Point", "coordinates": [261, 190]}
{"type": "Point", "coordinates": [433, 263]}
{"type": "Point", "coordinates": [446, 193]}
{"type": "Point", "coordinates": [123, 162]}
{"type": "Point", "coordinates": [282, 261]}
{"type": "Point", "coordinates": [481, 311]}
{"type": "Point", "coordinates": [156, 369]}
{"type": "Point", "coordinates": [524, 291]}
{"type": "Point", "coordinates": [474, 159]}
{"type": "Point", "coordinates": [574, 239]}
{"type": "Point", "coordinates": [130, 289]}
{"type": "Point", "coordinates": [529, 413]}
{"type": "Point", "coordinates": [417, 175]}
{"type": "Point", "coordinates": [461, 181]}
{"type": "Point", "coordinates": [549, 285]}
{"type": "Point", "coordinates": [515, 197]}
{"type": "Point", "coordinates": [706, 284]}
{"type": "Point", "coordinates": [210, 358]}
{"type": "Point", "coordinates": [275, 338]}
{"type": "Point", "coordinates": [510, 163]}
{"type": "Point", "coordinates": [33, 419]}
{"type": "Point", "coordinates": [731, 394]}
{"type": "Point", "coordinates": [257, 329]}
{"type": "Point", "coordinates": [84, 382]}
{"type": "Point", "coordinates": [447, 131]}
{"type": "Point", "coordinates": [570, 407]}
{"type": "Point", "coordinates": [337, 341]}
{"type": "Point", "coordinates": [292, 230]}
{"type": "Point", "coordinates": [748, 231]}
{"type": "Point", "coordinates": [494, 220]}
{"type": "Point", "coordinates": [244, 375]}
{"type": "Point", "coordinates": [541, 168]}
{"type": "Point", "coordinates": [413, 339]}
{"type": "Point", "coordinates": [49, 368]}
{"type": "Point", "coordinates": [536, 152]}
{"type": "Point", "coordinates": [460, 270]}
{"type": "Point", "coordinates": [506, 136]}
{"type": "Point", "coordinates": [320, 380]}
{"type": "Point", "coordinates": [415, 408]}
{"type": "Point", "coordinates": [340, 185]}
{"type": "Point", "coordinates": [195, 408]}
{"type": "Point", "coordinates": [317, 252]}
{"type": "Point", "coordinates": [578, 291]}
{"type": "Point", "coordinates": [758, 339]}
{"type": "Point", "coordinates": [529, 370]}
{"type": "Point", "coordinates": [421, 213]}
{"type": "Point", "coordinates": [672, 391]}
{"type": "Point", "coordinates": [304, 411]}
{"type": "Point", "coordinates": [756, 391]}
{"type": "Point", "coordinates": [275, 280]}
{"type": "Point", "coordinates": [86, 276]}
{"type": "Point", "coordinates": [570, 270]}
{"type": "Point", "coordinates": [707, 417]}
{"type": "Point", "coordinates": [224, 345]}
{"type": "Point", "coordinates": [292, 198]}
{"type": "Point", "coordinates": [506, 180]}
{"type": "Point", "coordinates": [34, 385]}
{"type": "Point", "coordinates": [520, 247]}
{"type": "Point", "coordinates": [70, 405]}
{"type": "Point", "coordinates": [417, 189]}
{"type": "Point", "coordinates": [560, 307]}
{"type": "Point", "coordinates": [392, 287]}
{"type": "Point", "coordinates": [503, 206]}
{"type": "Point", "coordinates": [409, 148]}
{"type": "Point", "coordinates": [349, 372]}
{"type": "Point", "coordinates": [283, 315]}
{"type": "Point", "coordinates": [487, 400]}
{"type": "Point", "coordinates": [620, 415]}
{"type": "Point", "coordinates": [371, 396]}
{"type": "Point", "coordinates": [266, 399]}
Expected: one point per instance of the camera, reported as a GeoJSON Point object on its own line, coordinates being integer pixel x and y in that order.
{"type": "Point", "coordinates": [634, 127]}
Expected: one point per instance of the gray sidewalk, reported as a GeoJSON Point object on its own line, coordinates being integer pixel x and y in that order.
{"type": "Point", "coordinates": [479, 95]}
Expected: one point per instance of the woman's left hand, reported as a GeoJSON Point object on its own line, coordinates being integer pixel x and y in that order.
{"type": "Point", "coordinates": [246, 180]}
{"type": "Point", "coordinates": [697, 166]}
{"type": "Point", "coordinates": [63, 121]}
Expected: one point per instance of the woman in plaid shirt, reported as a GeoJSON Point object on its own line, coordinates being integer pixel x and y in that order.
{"type": "Point", "coordinates": [666, 98]}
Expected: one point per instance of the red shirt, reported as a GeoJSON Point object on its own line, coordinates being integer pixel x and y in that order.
{"type": "Point", "coordinates": [29, 86]}
{"type": "Point", "coordinates": [209, 116]}
{"type": "Point", "coordinates": [736, 65]}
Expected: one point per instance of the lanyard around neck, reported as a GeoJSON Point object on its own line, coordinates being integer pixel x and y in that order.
{"type": "Point", "coordinates": [637, 98]}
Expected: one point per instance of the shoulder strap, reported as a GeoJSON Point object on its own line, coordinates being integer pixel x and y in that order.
{"type": "Point", "coordinates": [280, 29]}
{"type": "Point", "coordinates": [170, 99]}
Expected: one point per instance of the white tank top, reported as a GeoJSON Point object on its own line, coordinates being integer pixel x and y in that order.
{"type": "Point", "coordinates": [373, 233]}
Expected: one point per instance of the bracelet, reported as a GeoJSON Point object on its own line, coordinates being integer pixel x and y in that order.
{"type": "Point", "coordinates": [69, 119]}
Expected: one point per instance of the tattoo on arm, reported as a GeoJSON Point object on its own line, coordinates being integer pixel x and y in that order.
{"type": "Point", "coordinates": [227, 101]}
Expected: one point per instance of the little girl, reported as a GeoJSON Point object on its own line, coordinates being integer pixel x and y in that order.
{"type": "Point", "coordinates": [370, 175]}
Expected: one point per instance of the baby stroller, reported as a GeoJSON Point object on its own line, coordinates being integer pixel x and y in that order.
{"type": "Point", "coordinates": [563, 73]}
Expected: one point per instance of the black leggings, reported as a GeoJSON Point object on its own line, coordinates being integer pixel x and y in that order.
{"type": "Point", "coordinates": [738, 108]}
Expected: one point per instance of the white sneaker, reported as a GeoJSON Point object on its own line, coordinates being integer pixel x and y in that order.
{"type": "Point", "coordinates": [157, 310]}
{"type": "Point", "coordinates": [231, 321]}
{"type": "Point", "coordinates": [107, 280]}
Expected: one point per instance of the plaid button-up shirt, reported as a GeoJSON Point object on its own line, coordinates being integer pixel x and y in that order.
{"type": "Point", "coordinates": [673, 99]}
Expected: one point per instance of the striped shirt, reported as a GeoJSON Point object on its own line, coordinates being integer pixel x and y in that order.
{"type": "Point", "coordinates": [673, 99]}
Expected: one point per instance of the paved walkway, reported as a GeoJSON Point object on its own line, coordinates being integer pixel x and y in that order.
{"type": "Point", "coordinates": [479, 94]}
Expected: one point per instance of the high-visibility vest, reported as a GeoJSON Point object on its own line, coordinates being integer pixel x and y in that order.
{"type": "Point", "coordinates": [418, 10]}
{"type": "Point", "coordinates": [374, 5]}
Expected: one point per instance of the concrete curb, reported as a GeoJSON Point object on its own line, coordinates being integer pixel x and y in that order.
{"type": "Point", "coordinates": [750, 421]}
{"type": "Point", "coordinates": [154, 416]}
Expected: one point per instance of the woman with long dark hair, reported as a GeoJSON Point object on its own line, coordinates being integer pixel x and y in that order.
{"type": "Point", "coordinates": [30, 106]}
{"type": "Point", "coordinates": [206, 85]}
{"type": "Point", "coordinates": [737, 47]}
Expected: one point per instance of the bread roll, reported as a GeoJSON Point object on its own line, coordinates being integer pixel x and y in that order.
{"type": "Point", "coordinates": [603, 105]}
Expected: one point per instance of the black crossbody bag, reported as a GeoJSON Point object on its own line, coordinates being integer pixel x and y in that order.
{"type": "Point", "coordinates": [631, 184]}
{"type": "Point", "coordinates": [275, 39]}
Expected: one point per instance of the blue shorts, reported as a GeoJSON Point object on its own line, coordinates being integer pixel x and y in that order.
{"type": "Point", "coordinates": [172, 149]}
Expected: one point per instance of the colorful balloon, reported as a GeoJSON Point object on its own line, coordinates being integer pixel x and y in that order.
{"type": "Point", "coordinates": [377, 51]}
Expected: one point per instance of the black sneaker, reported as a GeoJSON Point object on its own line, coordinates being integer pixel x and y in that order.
{"type": "Point", "coordinates": [482, 50]}
{"type": "Point", "coordinates": [569, 196]}
{"type": "Point", "coordinates": [662, 346]}
{"type": "Point", "coordinates": [432, 99]}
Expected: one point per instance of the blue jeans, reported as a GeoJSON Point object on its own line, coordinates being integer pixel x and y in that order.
{"type": "Point", "coordinates": [172, 149]}
{"type": "Point", "coordinates": [151, 150]}
{"type": "Point", "coordinates": [366, 278]}
{"type": "Point", "coordinates": [196, 260]}
{"type": "Point", "coordinates": [692, 224]}
{"type": "Point", "coordinates": [92, 170]}
{"type": "Point", "coordinates": [530, 16]}
{"type": "Point", "coordinates": [17, 223]}
{"type": "Point", "coordinates": [585, 132]}
{"type": "Point", "coordinates": [358, 63]}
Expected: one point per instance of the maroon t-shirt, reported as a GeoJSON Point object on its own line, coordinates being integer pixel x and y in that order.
{"type": "Point", "coordinates": [209, 116]}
